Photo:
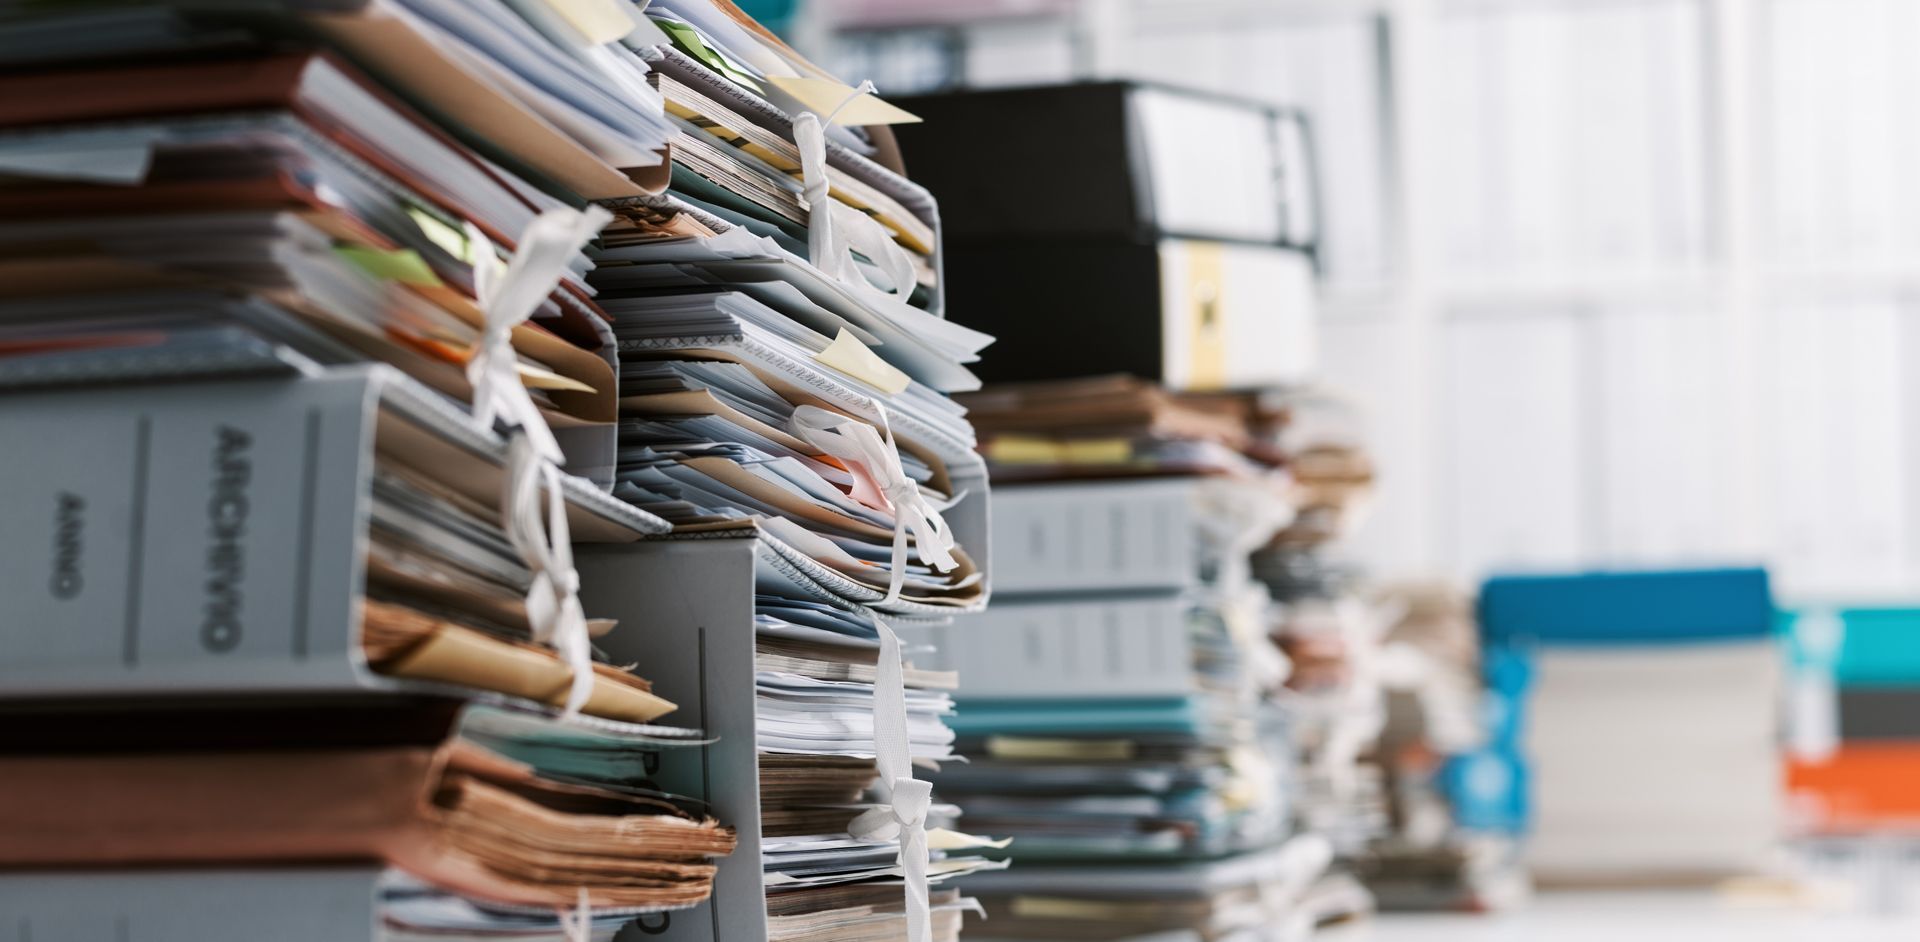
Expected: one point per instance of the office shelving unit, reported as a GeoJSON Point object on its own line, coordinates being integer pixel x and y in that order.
{"type": "Point", "coordinates": [1707, 368]}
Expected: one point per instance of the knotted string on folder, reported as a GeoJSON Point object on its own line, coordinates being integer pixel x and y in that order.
{"type": "Point", "coordinates": [835, 229]}
{"type": "Point", "coordinates": [507, 298]}
{"type": "Point", "coordinates": [885, 485]}
{"type": "Point", "coordinates": [576, 924]}
{"type": "Point", "coordinates": [904, 816]}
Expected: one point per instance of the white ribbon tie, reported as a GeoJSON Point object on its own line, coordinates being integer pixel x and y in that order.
{"type": "Point", "coordinates": [905, 815]}
{"type": "Point", "coordinates": [507, 298]}
{"type": "Point", "coordinates": [858, 443]}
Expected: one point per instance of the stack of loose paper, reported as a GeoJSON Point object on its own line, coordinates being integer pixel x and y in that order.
{"type": "Point", "coordinates": [814, 696]}
{"type": "Point", "coordinates": [1114, 426]}
{"type": "Point", "coordinates": [509, 819]}
{"type": "Point", "coordinates": [333, 197]}
{"type": "Point", "coordinates": [285, 189]}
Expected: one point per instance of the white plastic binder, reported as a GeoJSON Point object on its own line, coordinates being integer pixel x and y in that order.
{"type": "Point", "coordinates": [1135, 536]}
{"type": "Point", "coordinates": [210, 538]}
{"type": "Point", "coordinates": [1069, 649]}
{"type": "Point", "coordinates": [291, 905]}
{"type": "Point", "coordinates": [686, 614]}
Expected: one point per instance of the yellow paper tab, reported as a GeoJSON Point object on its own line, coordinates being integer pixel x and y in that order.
{"type": "Point", "coordinates": [1029, 449]}
{"type": "Point", "coordinates": [401, 265]}
{"type": "Point", "coordinates": [848, 355]}
{"type": "Point", "coordinates": [534, 377]}
{"type": "Point", "coordinates": [1097, 450]}
{"type": "Point", "coordinates": [441, 233]}
{"type": "Point", "coordinates": [600, 21]}
{"type": "Point", "coordinates": [943, 839]}
{"type": "Point", "coordinates": [824, 96]}
{"type": "Point", "coordinates": [1054, 907]}
{"type": "Point", "coordinates": [1023, 747]}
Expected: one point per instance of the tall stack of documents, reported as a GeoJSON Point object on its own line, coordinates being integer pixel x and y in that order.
{"type": "Point", "coordinates": [1117, 718]}
{"type": "Point", "coordinates": [411, 257]}
{"type": "Point", "coordinates": [784, 365]}
{"type": "Point", "coordinates": [295, 624]}
{"type": "Point", "coordinates": [1339, 686]}
{"type": "Point", "coordinates": [1442, 766]}
{"type": "Point", "coordinates": [1651, 733]}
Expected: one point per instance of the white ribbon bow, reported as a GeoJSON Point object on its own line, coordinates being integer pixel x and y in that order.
{"type": "Point", "coordinates": [829, 221]}
{"type": "Point", "coordinates": [507, 298]}
{"type": "Point", "coordinates": [908, 799]}
{"type": "Point", "coordinates": [862, 446]}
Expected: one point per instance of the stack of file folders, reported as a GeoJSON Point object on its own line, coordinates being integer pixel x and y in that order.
{"type": "Point", "coordinates": [290, 631]}
{"type": "Point", "coordinates": [1130, 747]}
{"type": "Point", "coordinates": [739, 340]}
{"type": "Point", "coordinates": [784, 370]}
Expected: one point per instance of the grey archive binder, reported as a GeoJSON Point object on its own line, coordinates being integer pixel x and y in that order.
{"type": "Point", "coordinates": [210, 538]}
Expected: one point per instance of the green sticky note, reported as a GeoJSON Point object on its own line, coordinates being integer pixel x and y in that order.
{"type": "Point", "coordinates": [689, 41]}
{"type": "Point", "coordinates": [401, 265]}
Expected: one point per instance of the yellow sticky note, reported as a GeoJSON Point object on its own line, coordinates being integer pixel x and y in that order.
{"type": "Point", "coordinates": [943, 839]}
{"type": "Point", "coordinates": [1097, 450]}
{"type": "Point", "coordinates": [442, 234]}
{"type": "Point", "coordinates": [1023, 449]}
{"type": "Point", "coordinates": [534, 377]}
{"type": "Point", "coordinates": [600, 21]}
{"type": "Point", "coordinates": [401, 265]}
{"type": "Point", "coordinates": [824, 96]}
{"type": "Point", "coordinates": [848, 355]}
{"type": "Point", "coordinates": [1025, 747]}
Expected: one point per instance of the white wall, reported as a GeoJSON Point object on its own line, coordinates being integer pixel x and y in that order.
{"type": "Point", "coordinates": [1616, 281]}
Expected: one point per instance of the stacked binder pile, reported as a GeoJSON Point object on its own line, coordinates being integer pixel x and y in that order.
{"type": "Point", "coordinates": [332, 233]}
{"type": "Point", "coordinates": [1651, 736]}
{"type": "Point", "coordinates": [1128, 744]}
{"type": "Point", "coordinates": [284, 190]}
{"type": "Point", "coordinates": [1131, 750]}
{"type": "Point", "coordinates": [784, 364]}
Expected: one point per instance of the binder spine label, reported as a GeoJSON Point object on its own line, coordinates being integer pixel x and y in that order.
{"type": "Point", "coordinates": [182, 535]}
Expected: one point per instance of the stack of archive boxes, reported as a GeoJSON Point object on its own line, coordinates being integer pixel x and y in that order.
{"type": "Point", "coordinates": [420, 398]}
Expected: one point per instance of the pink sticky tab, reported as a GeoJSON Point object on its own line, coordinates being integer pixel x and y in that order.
{"type": "Point", "coordinates": [866, 490]}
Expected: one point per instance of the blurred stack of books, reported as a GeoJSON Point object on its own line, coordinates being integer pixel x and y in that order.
{"type": "Point", "coordinates": [1855, 720]}
{"type": "Point", "coordinates": [1439, 851]}
{"type": "Point", "coordinates": [1651, 735]}
{"type": "Point", "coordinates": [401, 262]}
{"type": "Point", "coordinates": [1337, 686]}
